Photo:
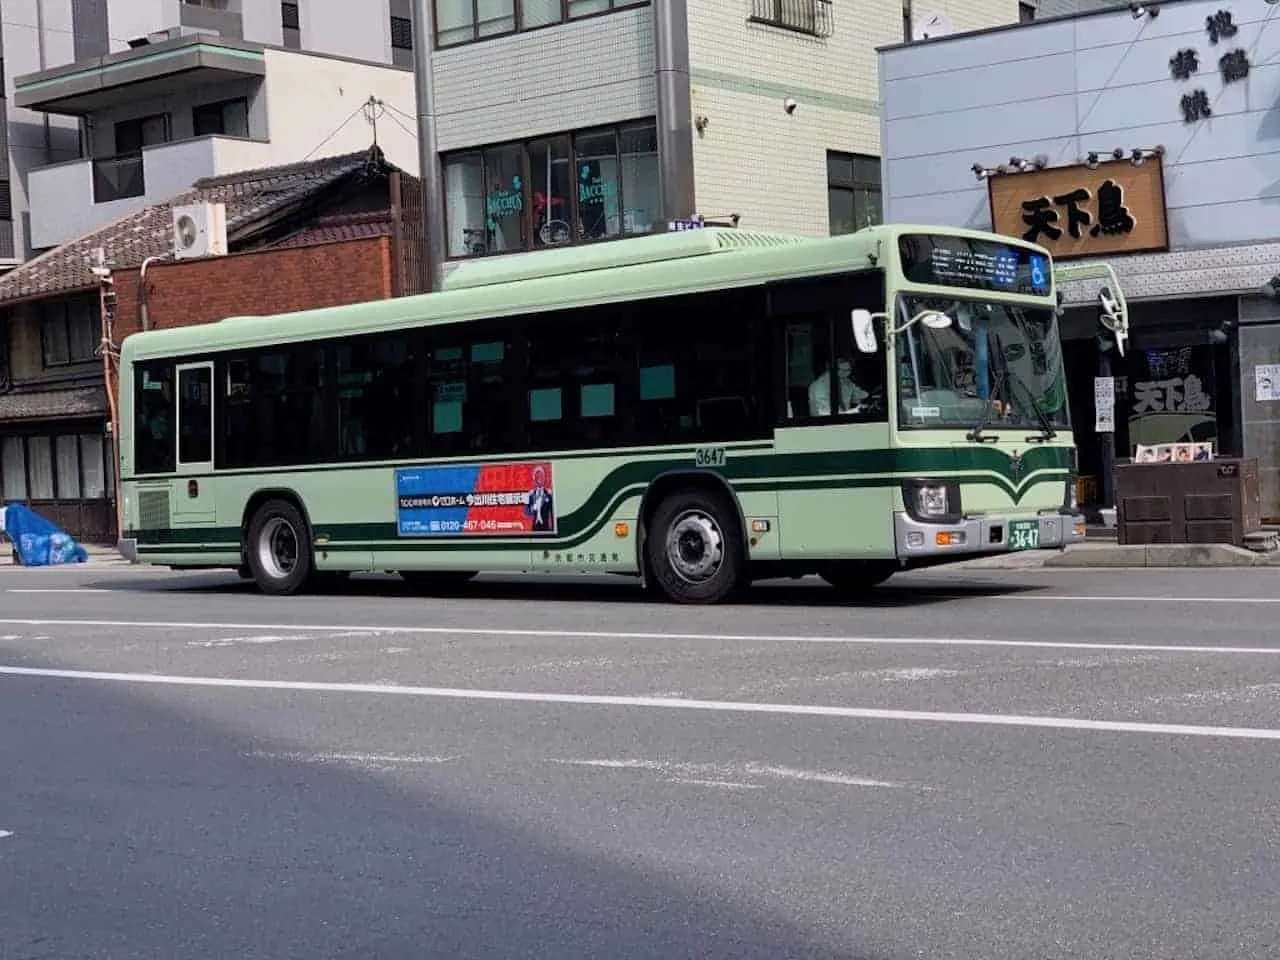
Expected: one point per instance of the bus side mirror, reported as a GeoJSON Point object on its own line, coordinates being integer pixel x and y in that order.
{"type": "Point", "coordinates": [864, 331]}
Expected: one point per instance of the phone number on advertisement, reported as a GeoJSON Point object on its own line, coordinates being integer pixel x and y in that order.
{"type": "Point", "coordinates": [472, 526]}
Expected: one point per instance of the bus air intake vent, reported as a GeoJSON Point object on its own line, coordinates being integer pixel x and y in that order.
{"type": "Point", "coordinates": [750, 240]}
{"type": "Point", "coordinates": [153, 509]}
{"type": "Point", "coordinates": [616, 254]}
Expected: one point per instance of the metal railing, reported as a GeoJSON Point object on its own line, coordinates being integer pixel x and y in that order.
{"type": "Point", "coordinates": [117, 178]}
{"type": "Point", "coordinates": [812, 17]}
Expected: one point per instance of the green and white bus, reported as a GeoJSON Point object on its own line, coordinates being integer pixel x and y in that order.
{"type": "Point", "coordinates": [700, 409]}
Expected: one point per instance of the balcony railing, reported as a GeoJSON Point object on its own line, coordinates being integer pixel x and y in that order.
{"type": "Point", "coordinates": [812, 17]}
{"type": "Point", "coordinates": [118, 178]}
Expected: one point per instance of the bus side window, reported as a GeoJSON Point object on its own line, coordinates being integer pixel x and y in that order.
{"type": "Point", "coordinates": [822, 372]}
{"type": "Point", "coordinates": [154, 449]}
{"type": "Point", "coordinates": [805, 346]}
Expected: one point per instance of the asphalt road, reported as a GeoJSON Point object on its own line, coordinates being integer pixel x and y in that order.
{"type": "Point", "coordinates": [1029, 764]}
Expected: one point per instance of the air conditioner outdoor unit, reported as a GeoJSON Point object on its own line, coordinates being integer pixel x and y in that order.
{"type": "Point", "coordinates": [199, 230]}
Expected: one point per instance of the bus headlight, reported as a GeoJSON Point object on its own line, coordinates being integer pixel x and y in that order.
{"type": "Point", "coordinates": [932, 500]}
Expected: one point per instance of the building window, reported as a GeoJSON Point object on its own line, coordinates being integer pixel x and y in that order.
{"type": "Point", "coordinates": [812, 17]}
{"type": "Point", "coordinates": [570, 188]}
{"type": "Point", "coordinates": [853, 192]}
{"type": "Point", "coordinates": [291, 25]}
{"type": "Point", "coordinates": [464, 21]}
{"type": "Point", "coordinates": [133, 135]}
{"type": "Point", "coordinates": [228, 118]}
{"type": "Point", "coordinates": [401, 41]}
{"type": "Point", "coordinates": [401, 33]}
{"type": "Point", "coordinates": [6, 200]}
{"type": "Point", "coordinates": [70, 331]}
{"type": "Point", "coordinates": [65, 466]}
{"type": "Point", "coordinates": [1026, 12]}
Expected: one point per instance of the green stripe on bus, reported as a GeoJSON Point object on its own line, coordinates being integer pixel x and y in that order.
{"type": "Point", "coordinates": [777, 473]}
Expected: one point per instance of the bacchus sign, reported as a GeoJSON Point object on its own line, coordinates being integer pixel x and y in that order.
{"type": "Point", "coordinates": [1083, 211]}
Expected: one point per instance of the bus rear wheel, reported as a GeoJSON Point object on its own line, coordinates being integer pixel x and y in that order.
{"type": "Point", "coordinates": [694, 548]}
{"type": "Point", "coordinates": [279, 548]}
{"type": "Point", "coordinates": [858, 576]}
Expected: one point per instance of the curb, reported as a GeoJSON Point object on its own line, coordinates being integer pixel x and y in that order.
{"type": "Point", "coordinates": [1162, 555]}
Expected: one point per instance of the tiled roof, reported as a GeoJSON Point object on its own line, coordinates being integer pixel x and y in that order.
{"type": "Point", "coordinates": [253, 199]}
{"type": "Point", "coordinates": [84, 401]}
{"type": "Point", "coordinates": [355, 226]}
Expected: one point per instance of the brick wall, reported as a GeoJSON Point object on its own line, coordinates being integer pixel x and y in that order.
{"type": "Point", "coordinates": [261, 282]}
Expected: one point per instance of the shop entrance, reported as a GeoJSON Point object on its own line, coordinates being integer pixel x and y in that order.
{"type": "Point", "coordinates": [1176, 383]}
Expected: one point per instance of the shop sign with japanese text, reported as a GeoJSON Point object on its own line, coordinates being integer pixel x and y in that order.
{"type": "Point", "coordinates": [1076, 211]}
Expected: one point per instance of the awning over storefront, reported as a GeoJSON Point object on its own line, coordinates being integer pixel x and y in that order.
{"type": "Point", "coordinates": [1213, 271]}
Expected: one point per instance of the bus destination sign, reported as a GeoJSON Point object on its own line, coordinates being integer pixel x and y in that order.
{"type": "Point", "coordinates": [976, 264]}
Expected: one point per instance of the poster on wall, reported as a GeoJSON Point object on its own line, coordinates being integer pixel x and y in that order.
{"type": "Point", "coordinates": [1104, 404]}
{"type": "Point", "coordinates": [494, 499]}
{"type": "Point", "coordinates": [1266, 382]}
{"type": "Point", "coordinates": [1172, 396]}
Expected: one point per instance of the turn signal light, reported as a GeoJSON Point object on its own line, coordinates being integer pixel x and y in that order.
{"type": "Point", "coordinates": [621, 529]}
{"type": "Point", "coordinates": [948, 538]}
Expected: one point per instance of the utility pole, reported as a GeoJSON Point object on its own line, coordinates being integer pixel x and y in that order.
{"type": "Point", "coordinates": [430, 170]}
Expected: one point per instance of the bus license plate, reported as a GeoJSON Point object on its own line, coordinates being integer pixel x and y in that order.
{"type": "Point", "coordinates": [1024, 534]}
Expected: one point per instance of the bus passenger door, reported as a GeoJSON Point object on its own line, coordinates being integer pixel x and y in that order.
{"type": "Point", "coordinates": [192, 493]}
{"type": "Point", "coordinates": [832, 435]}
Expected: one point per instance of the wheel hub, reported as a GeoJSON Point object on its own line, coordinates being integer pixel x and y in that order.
{"type": "Point", "coordinates": [695, 547]}
{"type": "Point", "coordinates": [278, 548]}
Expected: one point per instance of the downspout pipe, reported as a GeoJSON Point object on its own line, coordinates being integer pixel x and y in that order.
{"type": "Point", "coordinates": [144, 313]}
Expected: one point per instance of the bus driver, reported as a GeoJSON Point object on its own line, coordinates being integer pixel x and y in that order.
{"type": "Point", "coordinates": [851, 395]}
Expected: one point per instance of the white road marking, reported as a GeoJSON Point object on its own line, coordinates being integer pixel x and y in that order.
{"type": "Point", "coordinates": [728, 774]}
{"type": "Point", "coordinates": [1115, 598]}
{"type": "Point", "coordinates": [661, 703]}
{"type": "Point", "coordinates": [5, 834]}
{"type": "Point", "coordinates": [358, 759]}
{"type": "Point", "coordinates": [57, 590]}
{"type": "Point", "coordinates": [817, 776]}
{"type": "Point", "coordinates": [245, 641]}
{"type": "Point", "coordinates": [331, 629]}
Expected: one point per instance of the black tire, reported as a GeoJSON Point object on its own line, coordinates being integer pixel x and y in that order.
{"type": "Point", "coordinates": [437, 581]}
{"type": "Point", "coordinates": [275, 525]}
{"type": "Point", "coordinates": [694, 548]}
{"type": "Point", "coordinates": [858, 576]}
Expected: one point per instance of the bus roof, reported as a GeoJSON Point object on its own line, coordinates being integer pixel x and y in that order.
{"type": "Point", "coordinates": [614, 271]}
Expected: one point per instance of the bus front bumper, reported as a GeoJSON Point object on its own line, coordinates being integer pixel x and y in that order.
{"type": "Point", "coordinates": [984, 535]}
{"type": "Point", "coordinates": [127, 547]}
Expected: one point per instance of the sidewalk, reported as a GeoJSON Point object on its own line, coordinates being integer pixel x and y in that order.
{"type": "Point", "coordinates": [1104, 554]}
{"type": "Point", "coordinates": [98, 556]}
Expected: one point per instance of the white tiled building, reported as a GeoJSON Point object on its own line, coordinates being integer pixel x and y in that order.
{"type": "Point", "coordinates": [559, 120]}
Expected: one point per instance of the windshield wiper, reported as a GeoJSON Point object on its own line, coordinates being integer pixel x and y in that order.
{"type": "Point", "coordinates": [1047, 432]}
{"type": "Point", "coordinates": [976, 434]}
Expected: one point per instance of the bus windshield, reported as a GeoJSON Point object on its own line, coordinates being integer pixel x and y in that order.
{"type": "Point", "coordinates": [996, 363]}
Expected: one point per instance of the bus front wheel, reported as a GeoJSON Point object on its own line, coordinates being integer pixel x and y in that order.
{"type": "Point", "coordinates": [279, 548]}
{"type": "Point", "coordinates": [695, 548]}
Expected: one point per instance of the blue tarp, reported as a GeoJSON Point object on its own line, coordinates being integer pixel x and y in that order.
{"type": "Point", "coordinates": [37, 541]}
